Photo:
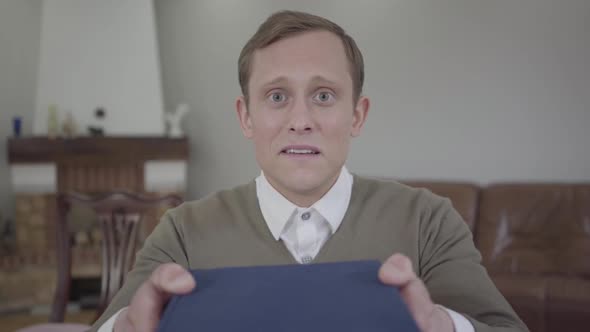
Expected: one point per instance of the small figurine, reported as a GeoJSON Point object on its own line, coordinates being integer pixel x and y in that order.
{"type": "Point", "coordinates": [97, 128]}
{"type": "Point", "coordinates": [173, 119]}
{"type": "Point", "coordinates": [69, 127]}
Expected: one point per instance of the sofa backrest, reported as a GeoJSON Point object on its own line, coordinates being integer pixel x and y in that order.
{"type": "Point", "coordinates": [535, 228]}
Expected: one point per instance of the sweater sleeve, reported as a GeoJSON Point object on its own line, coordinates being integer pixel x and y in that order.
{"type": "Point", "coordinates": [165, 244]}
{"type": "Point", "coordinates": [450, 266]}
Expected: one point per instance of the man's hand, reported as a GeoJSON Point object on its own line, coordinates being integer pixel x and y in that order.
{"type": "Point", "coordinates": [397, 271]}
{"type": "Point", "coordinates": [143, 314]}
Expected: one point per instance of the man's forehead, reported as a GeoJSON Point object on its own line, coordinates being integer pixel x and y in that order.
{"type": "Point", "coordinates": [317, 55]}
{"type": "Point", "coordinates": [304, 43]}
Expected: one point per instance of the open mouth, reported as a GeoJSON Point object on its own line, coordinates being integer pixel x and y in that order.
{"type": "Point", "coordinates": [300, 151]}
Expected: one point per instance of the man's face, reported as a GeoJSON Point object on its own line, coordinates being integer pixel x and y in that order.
{"type": "Point", "coordinates": [301, 113]}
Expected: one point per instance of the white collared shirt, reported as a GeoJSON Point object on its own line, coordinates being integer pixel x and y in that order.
{"type": "Point", "coordinates": [305, 230]}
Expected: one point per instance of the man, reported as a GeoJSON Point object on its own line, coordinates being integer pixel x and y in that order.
{"type": "Point", "coordinates": [301, 77]}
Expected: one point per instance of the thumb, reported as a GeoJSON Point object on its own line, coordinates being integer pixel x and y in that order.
{"type": "Point", "coordinates": [397, 271]}
{"type": "Point", "coordinates": [146, 306]}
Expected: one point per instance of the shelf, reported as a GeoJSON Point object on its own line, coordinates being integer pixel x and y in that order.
{"type": "Point", "coordinates": [87, 149]}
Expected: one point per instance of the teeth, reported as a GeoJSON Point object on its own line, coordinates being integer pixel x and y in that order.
{"type": "Point", "coordinates": [300, 151]}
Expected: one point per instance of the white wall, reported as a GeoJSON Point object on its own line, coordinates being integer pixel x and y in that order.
{"type": "Point", "coordinates": [20, 29]}
{"type": "Point", "coordinates": [100, 53]}
{"type": "Point", "coordinates": [461, 89]}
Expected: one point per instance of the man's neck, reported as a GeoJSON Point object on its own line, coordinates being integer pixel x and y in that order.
{"type": "Point", "coordinates": [305, 199]}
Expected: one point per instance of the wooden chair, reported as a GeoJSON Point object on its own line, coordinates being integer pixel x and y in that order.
{"type": "Point", "coordinates": [119, 215]}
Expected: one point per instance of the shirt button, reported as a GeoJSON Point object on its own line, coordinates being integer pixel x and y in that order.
{"type": "Point", "coordinates": [305, 216]}
{"type": "Point", "coordinates": [306, 259]}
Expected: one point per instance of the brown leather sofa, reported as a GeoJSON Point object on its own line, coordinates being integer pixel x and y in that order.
{"type": "Point", "coordinates": [535, 243]}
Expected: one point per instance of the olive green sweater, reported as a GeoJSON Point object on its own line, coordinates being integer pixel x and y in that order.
{"type": "Point", "coordinates": [228, 229]}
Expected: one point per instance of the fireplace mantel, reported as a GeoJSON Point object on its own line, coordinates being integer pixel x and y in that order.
{"type": "Point", "coordinates": [96, 164]}
{"type": "Point", "coordinates": [141, 148]}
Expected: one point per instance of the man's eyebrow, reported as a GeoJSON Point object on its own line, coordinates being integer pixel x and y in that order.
{"type": "Point", "coordinates": [280, 79]}
{"type": "Point", "coordinates": [315, 79]}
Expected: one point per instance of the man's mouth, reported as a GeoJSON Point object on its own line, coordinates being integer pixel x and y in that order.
{"type": "Point", "coordinates": [300, 151]}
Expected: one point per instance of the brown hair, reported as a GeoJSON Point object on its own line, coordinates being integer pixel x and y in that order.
{"type": "Point", "coordinates": [287, 23]}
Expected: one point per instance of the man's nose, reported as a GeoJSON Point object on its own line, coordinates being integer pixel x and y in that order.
{"type": "Point", "coordinates": [301, 120]}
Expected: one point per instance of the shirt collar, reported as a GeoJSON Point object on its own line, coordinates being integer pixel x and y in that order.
{"type": "Point", "coordinates": [277, 210]}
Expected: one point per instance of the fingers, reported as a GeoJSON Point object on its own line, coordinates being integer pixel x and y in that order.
{"type": "Point", "coordinates": [149, 300]}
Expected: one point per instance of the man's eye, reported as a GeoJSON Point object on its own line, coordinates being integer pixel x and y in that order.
{"type": "Point", "coordinates": [277, 97]}
{"type": "Point", "coordinates": [324, 97]}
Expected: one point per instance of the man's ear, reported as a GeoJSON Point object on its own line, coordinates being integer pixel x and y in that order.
{"type": "Point", "coordinates": [244, 117]}
{"type": "Point", "coordinates": [359, 116]}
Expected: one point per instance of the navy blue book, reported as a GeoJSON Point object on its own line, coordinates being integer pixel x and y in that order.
{"type": "Point", "coordinates": [342, 297]}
